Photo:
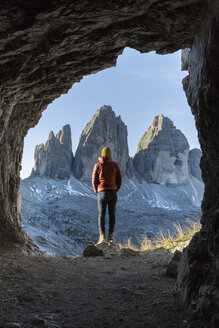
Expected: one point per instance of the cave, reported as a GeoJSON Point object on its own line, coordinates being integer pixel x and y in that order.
{"type": "Point", "coordinates": [48, 46]}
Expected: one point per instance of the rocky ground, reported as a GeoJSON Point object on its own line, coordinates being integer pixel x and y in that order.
{"type": "Point", "coordinates": [115, 290]}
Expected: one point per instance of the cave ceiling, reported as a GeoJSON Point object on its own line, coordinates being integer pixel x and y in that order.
{"type": "Point", "coordinates": [46, 46]}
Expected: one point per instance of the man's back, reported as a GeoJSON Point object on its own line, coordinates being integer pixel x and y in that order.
{"type": "Point", "coordinates": [106, 181]}
{"type": "Point", "coordinates": [106, 175]}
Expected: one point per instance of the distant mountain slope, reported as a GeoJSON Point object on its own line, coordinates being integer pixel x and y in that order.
{"type": "Point", "coordinates": [61, 215]}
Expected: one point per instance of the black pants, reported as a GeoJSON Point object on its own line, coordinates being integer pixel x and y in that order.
{"type": "Point", "coordinates": [104, 198]}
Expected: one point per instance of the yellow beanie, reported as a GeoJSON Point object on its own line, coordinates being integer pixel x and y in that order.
{"type": "Point", "coordinates": [106, 151]}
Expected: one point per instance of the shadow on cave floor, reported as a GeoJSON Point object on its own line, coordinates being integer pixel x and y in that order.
{"type": "Point", "coordinates": [120, 291]}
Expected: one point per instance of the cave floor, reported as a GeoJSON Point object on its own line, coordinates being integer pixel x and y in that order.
{"type": "Point", "coordinates": [43, 291]}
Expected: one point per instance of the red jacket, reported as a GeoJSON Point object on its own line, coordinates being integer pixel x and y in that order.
{"type": "Point", "coordinates": [106, 175]}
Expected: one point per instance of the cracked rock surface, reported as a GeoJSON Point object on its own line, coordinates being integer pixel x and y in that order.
{"type": "Point", "coordinates": [162, 153]}
{"type": "Point", "coordinates": [55, 158]}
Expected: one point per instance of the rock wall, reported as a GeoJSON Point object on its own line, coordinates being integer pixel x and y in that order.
{"type": "Point", "coordinates": [162, 153]}
{"type": "Point", "coordinates": [55, 158]}
{"type": "Point", "coordinates": [194, 163]}
{"type": "Point", "coordinates": [198, 272]}
{"type": "Point", "coordinates": [104, 130]}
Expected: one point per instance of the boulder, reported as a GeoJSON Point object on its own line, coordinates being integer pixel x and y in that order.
{"type": "Point", "coordinates": [162, 153]}
{"type": "Point", "coordinates": [55, 158]}
{"type": "Point", "coordinates": [194, 163]}
{"type": "Point", "coordinates": [104, 130]}
{"type": "Point", "coordinates": [92, 251]}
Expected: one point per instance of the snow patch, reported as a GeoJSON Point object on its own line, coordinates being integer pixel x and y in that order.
{"type": "Point", "coordinates": [72, 191]}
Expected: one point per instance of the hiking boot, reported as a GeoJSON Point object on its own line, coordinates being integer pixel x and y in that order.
{"type": "Point", "coordinates": [102, 239]}
{"type": "Point", "coordinates": [111, 239]}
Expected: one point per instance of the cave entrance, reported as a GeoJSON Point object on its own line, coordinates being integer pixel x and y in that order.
{"type": "Point", "coordinates": [140, 87]}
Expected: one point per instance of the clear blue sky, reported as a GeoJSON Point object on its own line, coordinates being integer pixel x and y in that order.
{"type": "Point", "coordinates": [140, 87]}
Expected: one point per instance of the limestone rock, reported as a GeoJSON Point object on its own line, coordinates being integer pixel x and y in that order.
{"type": "Point", "coordinates": [130, 169]}
{"type": "Point", "coordinates": [92, 251]}
{"type": "Point", "coordinates": [128, 252]}
{"type": "Point", "coordinates": [19, 201]}
{"type": "Point", "coordinates": [162, 153]}
{"type": "Point", "coordinates": [172, 266]}
{"type": "Point", "coordinates": [55, 158]}
{"type": "Point", "coordinates": [184, 59]}
{"type": "Point", "coordinates": [109, 249]}
{"type": "Point", "coordinates": [198, 268]}
{"type": "Point", "coordinates": [104, 130]}
{"type": "Point", "coordinates": [194, 163]}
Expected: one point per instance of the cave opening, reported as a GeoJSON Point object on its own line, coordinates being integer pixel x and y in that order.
{"type": "Point", "coordinates": [133, 88]}
{"type": "Point", "coordinates": [140, 87]}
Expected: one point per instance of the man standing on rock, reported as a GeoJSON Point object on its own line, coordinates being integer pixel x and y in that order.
{"type": "Point", "coordinates": [106, 181]}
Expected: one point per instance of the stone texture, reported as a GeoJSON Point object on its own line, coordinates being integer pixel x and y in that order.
{"type": "Point", "coordinates": [198, 268]}
{"type": "Point", "coordinates": [130, 169]}
{"type": "Point", "coordinates": [55, 158]}
{"type": "Point", "coordinates": [185, 59]}
{"type": "Point", "coordinates": [92, 251]}
{"type": "Point", "coordinates": [128, 252]}
{"type": "Point", "coordinates": [109, 249]}
{"type": "Point", "coordinates": [12, 325]}
{"type": "Point", "coordinates": [46, 46]}
{"type": "Point", "coordinates": [19, 201]}
{"type": "Point", "coordinates": [104, 130]}
{"type": "Point", "coordinates": [172, 267]}
{"type": "Point", "coordinates": [194, 163]}
{"type": "Point", "coordinates": [162, 153]}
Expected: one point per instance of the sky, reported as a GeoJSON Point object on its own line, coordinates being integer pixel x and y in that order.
{"type": "Point", "coordinates": [140, 87]}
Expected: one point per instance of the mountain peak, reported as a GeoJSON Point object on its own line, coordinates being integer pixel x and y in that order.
{"type": "Point", "coordinates": [51, 135]}
{"type": "Point", "coordinates": [64, 136]}
{"type": "Point", "coordinates": [105, 108]}
{"type": "Point", "coordinates": [160, 122]}
{"type": "Point", "coordinates": [164, 126]}
{"type": "Point", "coordinates": [162, 153]}
{"type": "Point", "coordinates": [55, 159]}
{"type": "Point", "coordinates": [104, 129]}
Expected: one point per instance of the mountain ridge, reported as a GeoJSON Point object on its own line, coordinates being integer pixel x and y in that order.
{"type": "Point", "coordinates": [61, 213]}
{"type": "Point", "coordinates": [162, 154]}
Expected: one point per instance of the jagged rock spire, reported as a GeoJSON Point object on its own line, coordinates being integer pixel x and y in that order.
{"type": "Point", "coordinates": [162, 153]}
{"type": "Point", "coordinates": [104, 129]}
{"type": "Point", "coordinates": [55, 158]}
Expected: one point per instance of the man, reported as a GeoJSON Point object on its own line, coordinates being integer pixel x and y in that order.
{"type": "Point", "coordinates": [106, 181]}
